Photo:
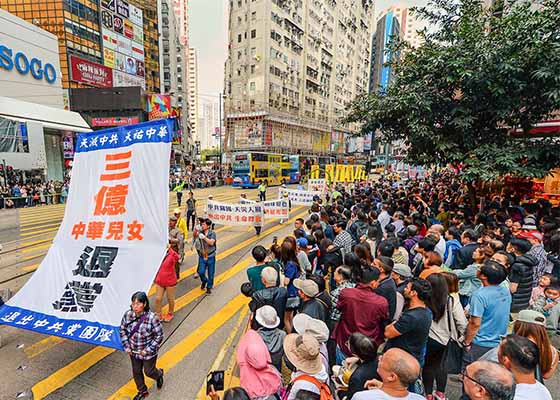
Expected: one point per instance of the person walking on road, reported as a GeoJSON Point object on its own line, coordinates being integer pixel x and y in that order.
{"type": "Point", "coordinates": [181, 223]}
{"type": "Point", "coordinates": [141, 335]}
{"type": "Point", "coordinates": [205, 243]}
{"type": "Point", "coordinates": [191, 211]}
{"type": "Point", "coordinates": [178, 189]}
{"type": "Point", "coordinates": [177, 242]}
{"type": "Point", "coordinates": [165, 282]}
{"type": "Point", "coordinates": [262, 191]}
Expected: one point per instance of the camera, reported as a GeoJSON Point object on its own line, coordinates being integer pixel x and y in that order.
{"type": "Point", "coordinates": [215, 379]}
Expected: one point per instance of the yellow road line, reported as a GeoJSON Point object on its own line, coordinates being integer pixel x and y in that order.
{"type": "Point", "coordinates": [177, 353]}
{"type": "Point", "coordinates": [40, 347]}
{"type": "Point", "coordinates": [35, 248]}
{"type": "Point", "coordinates": [64, 375]}
{"type": "Point", "coordinates": [32, 267]}
{"type": "Point", "coordinates": [230, 380]}
{"type": "Point", "coordinates": [224, 350]}
{"type": "Point", "coordinates": [25, 244]}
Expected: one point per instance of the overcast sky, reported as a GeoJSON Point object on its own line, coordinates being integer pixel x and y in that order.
{"type": "Point", "coordinates": [209, 36]}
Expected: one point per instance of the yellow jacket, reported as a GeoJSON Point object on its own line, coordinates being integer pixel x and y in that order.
{"type": "Point", "coordinates": [182, 226]}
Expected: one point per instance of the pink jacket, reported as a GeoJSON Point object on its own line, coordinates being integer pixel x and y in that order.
{"type": "Point", "coordinates": [257, 375]}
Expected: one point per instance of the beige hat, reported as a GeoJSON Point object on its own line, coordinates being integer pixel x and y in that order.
{"type": "Point", "coordinates": [267, 317]}
{"type": "Point", "coordinates": [303, 352]}
{"type": "Point", "coordinates": [177, 211]}
{"type": "Point", "coordinates": [303, 323]}
{"type": "Point", "coordinates": [307, 286]}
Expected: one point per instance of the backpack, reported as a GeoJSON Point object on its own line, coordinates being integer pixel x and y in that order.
{"type": "Point", "coordinates": [325, 392]}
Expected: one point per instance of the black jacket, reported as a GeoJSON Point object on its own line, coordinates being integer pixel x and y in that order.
{"type": "Point", "coordinates": [275, 297]}
{"type": "Point", "coordinates": [315, 309]}
{"type": "Point", "coordinates": [463, 256]}
{"type": "Point", "coordinates": [521, 272]}
{"type": "Point", "coordinates": [388, 289]}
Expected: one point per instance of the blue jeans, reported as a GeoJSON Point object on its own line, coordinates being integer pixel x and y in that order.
{"type": "Point", "coordinates": [207, 265]}
{"type": "Point", "coordinates": [340, 356]}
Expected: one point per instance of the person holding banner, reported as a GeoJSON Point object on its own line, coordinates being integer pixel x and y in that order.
{"type": "Point", "coordinates": [206, 249]}
{"type": "Point", "coordinates": [141, 336]}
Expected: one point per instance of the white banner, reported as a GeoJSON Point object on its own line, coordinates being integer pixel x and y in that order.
{"type": "Point", "coordinates": [235, 214]}
{"type": "Point", "coordinates": [299, 197]}
{"type": "Point", "coordinates": [111, 241]}
{"type": "Point", "coordinates": [276, 209]}
{"type": "Point", "coordinates": [317, 185]}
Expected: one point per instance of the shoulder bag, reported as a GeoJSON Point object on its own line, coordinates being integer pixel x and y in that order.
{"type": "Point", "coordinates": [453, 357]}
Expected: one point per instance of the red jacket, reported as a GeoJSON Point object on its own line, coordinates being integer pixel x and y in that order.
{"type": "Point", "coordinates": [166, 275]}
{"type": "Point", "coordinates": [362, 311]}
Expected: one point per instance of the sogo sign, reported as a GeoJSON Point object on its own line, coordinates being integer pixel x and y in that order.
{"type": "Point", "coordinates": [25, 66]}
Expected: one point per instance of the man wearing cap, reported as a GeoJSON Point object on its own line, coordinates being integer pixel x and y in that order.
{"type": "Point", "coordinates": [362, 310]}
{"type": "Point", "coordinates": [176, 242]}
{"type": "Point", "coordinates": [181, 223]}
{"type": "Point", "coordinates": [271, 294]}
{"type": "Point", "coordinates": [303, 249]}
{"type": "Point", "coordinates": [303, 357]}
{"type": "Point", "coordinates": [386, 287]}
{"type": "Point", "coordinates": [310, 304]}
{"type": "Point", "coordinates": [401, 274]}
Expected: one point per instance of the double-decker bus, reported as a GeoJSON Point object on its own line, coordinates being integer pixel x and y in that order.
{"type": "Point", "coordinates": [251, 168]}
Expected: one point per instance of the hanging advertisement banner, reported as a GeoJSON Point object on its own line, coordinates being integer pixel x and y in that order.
{"type": "Point", "coordinates": [299, 197]}
{"type": "Point", "coordinates": [68, 145]}
{"type": "Point", "coordinates": [159, 106]}
{"type": "Point", "coordinates": [111, 241]}
{"type": "Point", "coordinates": [90, 73]}
{"type": "Point", "coordinates": [329, 173]}
{"type": "Point", "coordinates": [367, 141]}
{"type": "Point", "coordinates": [317, 185]}
{"type": "Point", "coordinates": [235, 214]}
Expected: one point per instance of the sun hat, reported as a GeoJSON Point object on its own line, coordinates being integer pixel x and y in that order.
{"type": "Point", "coordinates": [300, 320]}
{"type": "Point", "coordinates": [303, 352]}
{"type": "Point", "coordinates": [173, 218]}
{"type": "Point", "coordinates": [267, 317]}
{"type": "Point", "coordinates": [402, 270]}
{"type": "Point", "coordinates": [318, 329]}
{"type": "Point", "coordinates": [177, 211]}
{"type": "Point", "coordinates": [531, 317]}
{"type": "Point", "coordinates": [307, 286]}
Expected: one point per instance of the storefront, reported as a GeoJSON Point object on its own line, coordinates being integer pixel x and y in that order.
{"type": "Point", "coordinates": [33, 122]}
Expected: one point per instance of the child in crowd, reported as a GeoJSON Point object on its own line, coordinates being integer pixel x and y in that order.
{"type": "Point", "coordinates": [468, 280]}
{"type": "Point", "coordinates": [549, 305]}
{"type": "Point", "coordinates": [545, 281]}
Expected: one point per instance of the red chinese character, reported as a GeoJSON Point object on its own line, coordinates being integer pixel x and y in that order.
{"type": "Point", "coordinates": [135, 231]}
{"type": "Point", "coordinates": [251, 219]}
{"type": "Point", "coordinates": [244, 218]}
{"type": "Point", "coordinates": [258, 219]}
{"type": "Point", "coordinates": [117, 170]}
{"type": "Point", "coordinates": [78, 230]}
{"type": "Point", "coordinates": [111, 200]}
{"type": "Point", "coordinates": [95, 230]}
{"type": "Point", "coordinates": [115, 230]}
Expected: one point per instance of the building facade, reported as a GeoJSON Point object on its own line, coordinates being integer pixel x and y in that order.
{"type": "Point", "coordinates": [208, 124]}
{"type": "Point", "coordinates": [292, 67]}
{"type": "Point", "coordinates": [409, 25]}
{"type": "Point", "coordinates": [192, 91]}
{"type": "Point", "coordinates": [388, 28]}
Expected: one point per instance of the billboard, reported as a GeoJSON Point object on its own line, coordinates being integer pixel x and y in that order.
{"type": "Point", "coordinates": [113, 121]}
{"type": "Point", "coordinates": [124, 79]}
{"type": "Point", "coordinates": [90, 73]}
{"type": "Point", "coordinates": [159, 106]}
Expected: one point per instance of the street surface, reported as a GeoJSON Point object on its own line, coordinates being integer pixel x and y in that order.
{"type": "Point", "coordinates": [200, 338]}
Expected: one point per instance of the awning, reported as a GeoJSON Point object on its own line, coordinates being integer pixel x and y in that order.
{"type": "Point", "coordinates": [49, 117]}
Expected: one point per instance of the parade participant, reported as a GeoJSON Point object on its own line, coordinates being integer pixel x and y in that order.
{"type": "Point", "coordinates": [141, 335]}
{"type": "Point", "coordinates": [178, 189]}
{"type": "Point", "coordinates": [181, 223]}
{"type": "Point", "coordinates": [177, 243]}
{"type": "Point", "coordinates": [262, 190]}
{"type": "Point", "coordinates": [191, 211]}
{"type": "Point", "coordinates": [165, 282]}
{"type": "Point", "coordinates": [206, 255]}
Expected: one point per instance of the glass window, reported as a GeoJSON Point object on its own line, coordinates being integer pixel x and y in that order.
{"type": "Point", "coordinates": [13, 136]}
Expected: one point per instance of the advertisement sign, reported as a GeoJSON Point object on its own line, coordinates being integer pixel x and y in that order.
{"type": "Point", "coordinates": [109, 58]}
{"type": "Point", "coordinates": [124, 45]}
{"type": "Point", "coordinates": [136, 15]}
{"type": "Point", "coordinates": [68, 145]}
{"type": "Point", "coordinates": [111, 241]}
{"type": "Point", "coordinates": [118, 24]}
{"type": "Point", "coordinates": [130, 65]}
{"type": "Point", "coordinates": [235, 214]}
{"type": "Point", "coordinates": [90, 73]}
{"type": "Point", "coordinates": [113, 121]}
{"type": "Point", "coordinates": [299, 197]}
{"type": "Point", "coordinates": [109, 39]}
{"type": "Point", "coordinates": [159, 106]}
{"type": "Point", "coordinates": [122, 8]}
{"type": "Point", "coordinates": [138, 33]}
{"type": "Point", "coordinates": [128, 30]}
{"type": "Point", "coordinates": [120, 61]}
{"type": "Point", "coordinates": [140, 68]}
{"type": "Point", "coordinates": [137, 51]}
{"type": "Point", "coordinates": [124, 79]}
{"type": "Point", "coordinates": [367, 141]}
{"type": "Point", "coordinates": [317, 185]}
{"type": "Point", "coordinates": [108, 4]}
{"type": "Point", "coordinates": [107, 19]}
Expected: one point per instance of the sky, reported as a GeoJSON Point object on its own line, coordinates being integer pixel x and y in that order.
{"type": "Point", "coordinates": [209, 36]}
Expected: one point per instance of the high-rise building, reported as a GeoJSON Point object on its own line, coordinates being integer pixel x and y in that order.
{"type": "Point", "coordinates": [211, 116]}
{"type": "Point", "coordinates": [192, 90]}
{"type": "Point", "coordinates": [387, 29]}
{"type": "Point", "coordinates": [409, 25]}
{"type": "Point", "coordinates": [292, 67]}
{"type": "Point", "coordinates": [114, 42]}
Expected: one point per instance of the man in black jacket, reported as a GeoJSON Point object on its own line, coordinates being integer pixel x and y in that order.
{"type": "Point", "coordinates": [271, 295]}
{"type": "Point", "coordinates": [521, 274]}
{"type": "Point", "coordinates": [463, 256]}
{"type": "Point", "coordinates": [387, 287]}
{"type": "Point", "coordinates": [310, 305]}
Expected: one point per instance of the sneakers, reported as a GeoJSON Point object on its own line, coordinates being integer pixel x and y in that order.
{"type": "Point", "coordinates": [203, 285]}
{"type": "Point", "coordinates": [168, 317]}
{"type": "Point", "coordinates": [439, 396]}
{"type": "Point", "coordinates": [208, 291]}
{"type": "Point", "coordinates": [196, 276]}
{"type": "Point", "coordinates": [159, 381]}
{"type": "Point", "coordinates": [141, 395]}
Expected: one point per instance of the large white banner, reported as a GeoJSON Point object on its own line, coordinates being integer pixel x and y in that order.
{"type": "Point", "coordinates": [273, 209]}
{"type": "Point", "coordinates": [235, 214]}
{"type": "Point", "coordinates": [299, 197]}
{"type": "Point", "coordinates": [111, 241]}
{"type": "Point", "coordinates": [317, 185]}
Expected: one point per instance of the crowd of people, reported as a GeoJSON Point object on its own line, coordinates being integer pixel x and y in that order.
{"type": "Point", "coordinates": [385, 290]}
{"type": "Point", "coordinates": [33, 194]}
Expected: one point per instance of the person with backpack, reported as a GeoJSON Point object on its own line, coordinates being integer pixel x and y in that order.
{"type": "Point", "coordinates": [303, 357]}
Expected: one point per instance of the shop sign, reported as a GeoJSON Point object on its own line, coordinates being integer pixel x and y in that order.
{"type": "Point", "coordinates": [120, 60]}
{"type": "Point", "coordinates": [130, 66]}
{"type": "Point", "coordinates": [108, 4]}
{"type": "Point", "coordinates": [25, 66]}
{"type": "Point", "coordinates": [113, 121]}
{"type": "Point", "coordinates": [128, 30]}
{"type": "Point", "coordinates": [122, 8]}
{"type": "Point", "coordinates": [109, 58]}
{"type": "Point", "coordinates": [127, 80]}
{"type": "Point", "coordinates": [138, 33]}
{"type": "Point", "coordinates": [109, 39]}
{"type": "Point", "coordinates": [107, 18]}
{"type": "Point", "coordinates": [90, 73]}
{"type": "Point", "coordinates": [124, 46]}
{"type": "Point", "coordinates": [137, 51]}
{"type": "Point", "coordinates": [140, 68]}
{"type": "Point", "coordinates": [118, 25]}
{"type": "Point", "coordinates": [68, 145]}
{"type": "Point", "coordinates": [136, 15]}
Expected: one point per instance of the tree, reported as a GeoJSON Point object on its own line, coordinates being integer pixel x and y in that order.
{"type": "Point", "coordinates": [455, 99]}
{"type": "Point", "coordinates": [209, 152]}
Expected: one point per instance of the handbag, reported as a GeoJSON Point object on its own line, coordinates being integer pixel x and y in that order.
{"type": "Point", "coordinates": [453, 357]}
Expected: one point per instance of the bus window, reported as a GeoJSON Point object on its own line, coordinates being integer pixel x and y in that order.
{"type": "Point", "coordinates": [260, 157]}
{"type": "Point", "coordinates": [261, 173]}
{"type": "Point", "coordinates": [285, 172]}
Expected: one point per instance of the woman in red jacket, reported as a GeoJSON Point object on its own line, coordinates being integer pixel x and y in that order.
{"type": "Point", "coordinates": [166, 280]}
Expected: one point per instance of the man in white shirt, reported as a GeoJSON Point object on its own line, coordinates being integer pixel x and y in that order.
{"type": "Point", "coordinates": [487, 380]}
{"type": "Point", "coordinates": [384, 218]}
{"type": "Point", "coordinates": [438, 232]}
{"type": "Point", "coordinates": [398, 370]}
{"type": "Point", "coordinates": [521, 357]}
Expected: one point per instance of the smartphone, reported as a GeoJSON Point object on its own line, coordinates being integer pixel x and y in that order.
{"type": "Point", "coordinates": [216, 379]}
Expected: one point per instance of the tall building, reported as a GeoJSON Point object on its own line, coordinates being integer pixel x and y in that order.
{"type": "Point", "coordinates": [387, 29]}
{"type": "Point", "coordinates": [192, 90]}
{"type": "Point", "coordinates": [211, 117]}
{"type": "Point", "coordinates": [292, 67]}
{"type": "Point", "coordinates": [114, 42]}
{"type": "Point", "coordinates": [409, 25]}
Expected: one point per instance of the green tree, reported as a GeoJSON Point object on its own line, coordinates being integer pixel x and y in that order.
{"type": "Point", "coordinates": [208, 152]}
{"type": "Point", "coordinates": [455, 99]}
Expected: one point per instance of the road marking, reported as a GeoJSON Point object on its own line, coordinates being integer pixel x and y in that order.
{"type": "Point", "coordinates": [224, 350]}
{"type": "Point", "coordinates": [35, 248]}
{"type": "Point", "coordinates": [177, 353]}
{"type": "Point", "coordinates": [64, 375]}
{"type": "Point", "coordinates": [32, 267]}
{"type": "Point", "coordinates": [40, 347]}
{"type": "Point", "coordinates": [26, 244]}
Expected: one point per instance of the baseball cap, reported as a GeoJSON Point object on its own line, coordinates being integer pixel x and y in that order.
{"type": "Point", "coordinates": [402, 270]}
{"type": "Point", "coordinates": [307, 286]}
{"type": "Point", "coordinates": [531, 317]}
{"type": "Point", "coordinates": [302, 242]}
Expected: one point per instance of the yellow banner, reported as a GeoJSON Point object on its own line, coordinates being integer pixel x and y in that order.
{"type": "Point", "coordinates": [340, 172]}
{"type": "Point", "coordinates": [358, 172]}
{"type": "Point", "coordinates": [349, 175]}
{"type": "Point", "coordinates": [329, 173]}
{"type": "Point", "coordinates": [314, 172]}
